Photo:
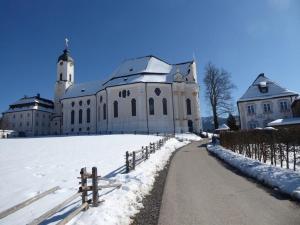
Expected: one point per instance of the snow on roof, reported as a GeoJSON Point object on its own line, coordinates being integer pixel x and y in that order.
{"type": "Point", "coordinates": [147, 64]}
{"type": "Point", "coordinates": [273, 90]}
{"type": "Point", "coordinates": [223, 127]}
{"type": "Point", "coordinates": [143, 69]}
{"type": "Point", "coordinates": [287, 121]}
{"type": "Point", "coordinates": [34, 99]}
{"type": "Point", "coordinates": [31, 107]}
{"type": "Point", "coordinates": [83, 89]}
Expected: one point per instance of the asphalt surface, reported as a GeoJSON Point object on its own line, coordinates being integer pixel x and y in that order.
{"type": "Point", "coordinates": [200, 189]}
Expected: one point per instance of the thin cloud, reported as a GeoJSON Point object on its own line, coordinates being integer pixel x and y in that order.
{"type": "Point", "coordinates": [280, 4]}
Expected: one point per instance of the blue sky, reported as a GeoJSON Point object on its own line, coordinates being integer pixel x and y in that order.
{"type": "Point", "coordinates": [243, 37]}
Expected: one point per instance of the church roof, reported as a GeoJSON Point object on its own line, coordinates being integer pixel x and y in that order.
{"type": "Point", "coordinates": [264, 88]}
{"type": "Point", "coordinates": [65, 56]}
{"type": "Point", "coordinates": [138, 70]}
{"type": "Point", "coordinates": [83, 89]}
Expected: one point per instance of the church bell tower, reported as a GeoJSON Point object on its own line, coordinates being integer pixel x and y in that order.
{"type": "Point", "coordinates": [64, 77]}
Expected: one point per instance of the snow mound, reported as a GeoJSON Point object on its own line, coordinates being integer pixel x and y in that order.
{"type": "Point", "coordinates": [286, 181]}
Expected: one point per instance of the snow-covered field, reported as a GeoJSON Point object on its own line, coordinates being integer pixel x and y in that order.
{"type": "Point", "coordinates": [285, 180]}
{"type": "Point", "coordinates": [32, 165]}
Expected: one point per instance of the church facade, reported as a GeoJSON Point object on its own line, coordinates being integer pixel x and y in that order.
{"type": "Point", "coordinates": [143, 95]}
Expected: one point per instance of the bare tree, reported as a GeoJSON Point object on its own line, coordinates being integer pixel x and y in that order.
{"type": "Point", "coordinates": [218, 91]}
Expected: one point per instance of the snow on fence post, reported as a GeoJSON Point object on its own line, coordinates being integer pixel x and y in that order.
{"type": "Point", "coordinates": [127, 162]}
{"type": "Point", "coordinates": [84, 197]}
{"type": "Point", "coordinates": [95, 187]}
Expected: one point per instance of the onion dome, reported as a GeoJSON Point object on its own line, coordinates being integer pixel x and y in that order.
{"type": "Point", "coordinates": [65, 56]}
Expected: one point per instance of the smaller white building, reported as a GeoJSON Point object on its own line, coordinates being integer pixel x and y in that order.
{"type": "Point", "coordinates": [29, 116]}
{"type": "Point", "coordinates": [263, 102]}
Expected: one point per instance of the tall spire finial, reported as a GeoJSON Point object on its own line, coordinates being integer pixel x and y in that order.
{"type": "Point", "coordinates": [67, 43]}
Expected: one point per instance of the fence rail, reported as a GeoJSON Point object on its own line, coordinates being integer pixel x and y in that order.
{"type": "Point", "coordinates": [132, 159]}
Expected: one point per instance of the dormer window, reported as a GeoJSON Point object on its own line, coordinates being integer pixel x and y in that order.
{"type": "Point", "coordinates": [262, 86]}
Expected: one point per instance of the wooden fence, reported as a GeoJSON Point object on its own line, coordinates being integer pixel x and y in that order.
{"type": "Point", "coordinates": [132, 159]}
{"type": "Point", "coordinates": [86, 187]}
{"type": "Point", "coordinates": [276, 146]}
{"type": "Point", "coordinates": [83, 192]}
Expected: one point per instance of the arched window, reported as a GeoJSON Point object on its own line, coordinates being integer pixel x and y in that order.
{"type": "Point", "coordinates": [72, 116]}
{"type": "Point", "coordinates": [133, 107]}
{"type": "Point", "coordinates": [98, 113]}
{"type": "Point", "coordinates": [60, 76]}
{"type": "Point", "coordinates": [88, 115]}
{"type": "Point", "coordinates": [104, 111]}
{"type": "Point", "coordinates": [188, 107]}
{"type": "Point", "coordinates": [70, 77]}
{"type": "Point", "coordinates": [80, 116]}
{"type": "Point", "coordinates": [115, 109]}
{"type": "Point", "coordinates": [165, 106]}
{"type": "Point", "coordinates": [151, 106]}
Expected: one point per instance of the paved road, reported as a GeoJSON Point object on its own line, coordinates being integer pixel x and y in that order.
{"type": "Point", "coordinates": [201, 190]}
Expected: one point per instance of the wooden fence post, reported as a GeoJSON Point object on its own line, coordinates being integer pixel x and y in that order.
{"type": "Point", "coordinates": [84, 196]}
{"type": "Point", "coordinates": [95, 187]}
{"type": "Point", "coordinates": [133, 160]}
{"type": "Point", "coordinates": [147, 152]}
{"type": "Point", "coordinates": [127, 162]}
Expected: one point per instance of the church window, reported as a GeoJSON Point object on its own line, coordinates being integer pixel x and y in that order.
{"type": "Point", "coordinates": [120, 94]}
{"type": "Point", "coordinates": [88, 101]}
{"type": "Point", "coordinates": [165, 107]}
{"type": "Point", "coordinates": [267, 108]}
{"type": "Point", "coordinates": [88, 115]}
{"type": "Point", "coordinates": [79, 129]}
{"type": "Point", "coordinates": [73, 103]}
{"type": "Point", "coordinates": [72, 129]}
{"type": "Point", "coordinates": [80, 103]}
{"type": "Point", "coordinates": [101, 98]}
{"type": "Point", "coordinates": [151, 106]}
{"type": "Point", "coordinates": [157, 91]}
{"type": "Point", "coordinates": [55, 124]}
{"type": "Point", "coordinates": [60, 76]}
{"type": "Point", "coordinates": [124, 93]}
{"type": "Point", "coordinates": [72, 116]}
{"type": "Point", "coordinates": [104, 111]}
{"type": "Point", "coordinates": [61, 63]}
{"type": "Point", "coordinates": [98, 113]}
{"type": "Point", "coordinates": [80, 116]}
{"type": "Point", "coordinates": [70, 77]}
{"type": "Point", "coordinates": [116, 109]}
{"type": "Point", "coordinates": [133, 107]}
{"type": "Point", "coordinates": [188, 107]}
{"type": "Point", "coordinates": [128, 93]}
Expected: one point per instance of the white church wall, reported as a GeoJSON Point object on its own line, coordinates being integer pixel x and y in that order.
{"type": "Point", "coordinates": [101, 115]}
{"type": "Point", "coordinates": [160, 122]}
{"type": "Point", "coordinates": [126, 122]}
{"type": "Point", "coordinates": [84, 127]}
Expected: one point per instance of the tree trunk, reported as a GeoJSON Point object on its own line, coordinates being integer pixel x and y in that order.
{"type": "Point", "coordinates": [216, 123]}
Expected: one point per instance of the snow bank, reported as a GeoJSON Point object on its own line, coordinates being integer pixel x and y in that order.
{"type": "Point", "coordinates": [124, 203]}
{"type": "Point", "coordinates": [286, 181]}
{"type": "Point", "coordinates": [32, 165]}
{"type": "Point", "coordinates": [187, 137]}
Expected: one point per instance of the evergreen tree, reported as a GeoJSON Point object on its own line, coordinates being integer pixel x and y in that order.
{"type": "Point", "coordinates": [231, 122]}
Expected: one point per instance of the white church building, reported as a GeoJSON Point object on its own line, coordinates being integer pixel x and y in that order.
{"type": "Point", "coordinates": [263, 102]}
{"type": "Point", "coordinates": [143, 95]}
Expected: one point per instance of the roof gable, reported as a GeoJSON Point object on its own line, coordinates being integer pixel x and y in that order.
{"type": "Point", "coordinates": [264, 88]}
